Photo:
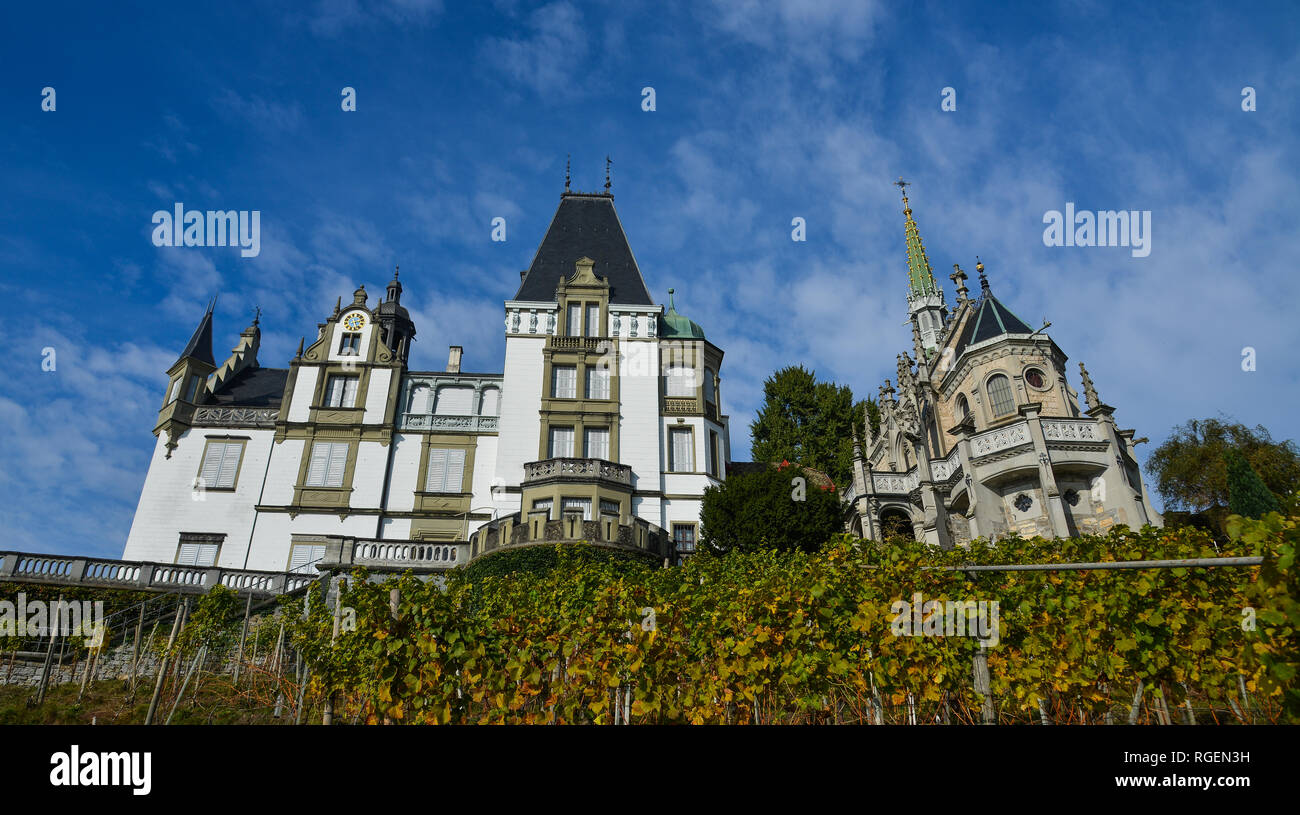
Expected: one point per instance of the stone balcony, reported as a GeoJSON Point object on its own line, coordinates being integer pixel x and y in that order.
{"type": "Point", "coordinates": [448, 423]}
{"type": "Point", "coordinates": [577, 469]}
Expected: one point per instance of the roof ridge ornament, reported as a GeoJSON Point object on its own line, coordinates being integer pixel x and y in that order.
{"type": "Point", "coordinates": [984, 281]}
{"type": "Point", "coordinates": [567, 159]}
{"type": "Point", "coordinates": [607, 163]}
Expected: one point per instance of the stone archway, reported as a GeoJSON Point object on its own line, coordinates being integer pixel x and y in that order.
{"type": "Point", "coordinates": [896, 522]}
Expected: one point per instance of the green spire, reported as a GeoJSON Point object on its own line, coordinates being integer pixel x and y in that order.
{"type": "Point", "coordinates": [920, 277]}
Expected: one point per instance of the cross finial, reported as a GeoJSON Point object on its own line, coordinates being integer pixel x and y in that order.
{"type": "Point", "coordinates": [958, 277]}
{"type": "Point", "coordinates": [903, 185]}
{"type": "Point", "coordinates": [567, 158]}
{"type": "Point", "coordinates": [607, 163]}
{"type": "Point", "coordinates": [396, 269]}
{"type": "Point", "coordinates": [257, 314]}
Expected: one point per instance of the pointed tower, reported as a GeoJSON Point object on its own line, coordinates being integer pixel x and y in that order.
{"type": "Point", "coordinates": [396, 329]}
{"type": "Point", "coordinates": [187, 382]}
{"type": "Point", "coordinates": [924, 297]}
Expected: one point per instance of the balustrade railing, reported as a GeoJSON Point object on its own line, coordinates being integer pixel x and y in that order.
{"type": "Point", "coordinates": [577, 468]}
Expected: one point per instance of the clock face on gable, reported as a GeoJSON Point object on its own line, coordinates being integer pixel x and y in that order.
{"type": "Point", "coordinates": [354, 321]}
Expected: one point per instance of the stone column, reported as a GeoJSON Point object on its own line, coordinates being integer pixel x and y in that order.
{"type": "Point", "coordinates": [1055, 510]}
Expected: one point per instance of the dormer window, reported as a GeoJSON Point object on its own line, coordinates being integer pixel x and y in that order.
{"type": "Point", "coordinates": [350, 345]}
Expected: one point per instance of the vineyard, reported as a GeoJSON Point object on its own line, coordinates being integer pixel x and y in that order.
{"type": "Point", "coordinates": [762, 638]}
{"type": "Point", "coordinates": [806, 638]}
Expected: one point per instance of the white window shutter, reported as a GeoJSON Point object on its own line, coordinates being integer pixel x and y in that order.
{"type": "Point", "coordinates": [455, 471]}
{"type": "Point", "coordinates": [350, 391]}
{"type": "Point", "coordinates": [437, 472]}
{"type": "Point", "coordinates": [337, 453]}
{"type": "Point", "coordinates": [211, 470]}
{"type": "Point", "coordinates": [320, 456]}
{"type": "Point", "coordinates": [188, 555]}
{"type": "Point", "coordinates": [229, 465]}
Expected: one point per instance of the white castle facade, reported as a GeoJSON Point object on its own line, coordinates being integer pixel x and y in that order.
{"type": "Point", "coordinates": [604, 425]}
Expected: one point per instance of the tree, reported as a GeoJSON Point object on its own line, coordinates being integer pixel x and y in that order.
{"type": "Point", "coordinates": [808, 422]}
{"type": "Point", "coordinates": [1247, 495]}
{"type": "Point", "coordinates": [782, 507]}
{"type": "Point", "coordinates": [1191, 474]}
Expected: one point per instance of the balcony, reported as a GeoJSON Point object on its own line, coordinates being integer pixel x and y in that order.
{"type": "Point", "coordinates": [577, 469]}
{"type": "Point", "coordinates": [588, 344]}
{"type": "Point", "coordinates": [451, 424]}
{"type": "Point", "coordinates": [680, 405]}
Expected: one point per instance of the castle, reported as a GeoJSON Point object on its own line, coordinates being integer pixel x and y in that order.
{"type": "Point", "coordinates": [605, 425]}
{"type": "Point", "coordinates": [983, 436]}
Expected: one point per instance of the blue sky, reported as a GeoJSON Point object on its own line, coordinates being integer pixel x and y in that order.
{"type": "Point", "coordinates": [765, 112]}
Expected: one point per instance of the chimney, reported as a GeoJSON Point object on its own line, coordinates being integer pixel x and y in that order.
{"type": "Point", "coordinates": [453, 358]}
{"type": "Point", "coordinates": [522, 274]}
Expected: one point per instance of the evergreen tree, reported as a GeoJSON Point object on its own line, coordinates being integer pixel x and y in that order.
{"type": "Point", "coordinates": [781, 507]}
{"type": "Point", "coordinates": [809, 423]}
{"type": "Point", "coordinates": [1247, 495]}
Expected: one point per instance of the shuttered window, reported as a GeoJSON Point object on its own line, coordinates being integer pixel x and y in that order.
{"type": "Point", "coordinates": [197, 554]}
{"type": "Point", "coordinates": [597, 383]}
{"type": "Point", "coordinates": [561, 442]}
{"type": "Point", "coordinates": [304, 556]}
{"type": "Point", "coordinates": [446, 471]}
{"type": "Point", "coordinates": [328, 459]}
{"type": "Point", "coordinates": [572, 505]}
{"type": "Point", "coordinates": [681, 381]}
{"type": "Point", "coordinates": [597, 442]}
{"type": "Point", "coordinates": [455, 401]}
{"type": "Point", "coordinates": [1000, 398]}
{"type": "Point", "coordinates": [341, 391]}
{"type": "Point", "coordinates": [220, 465]}
{"type": "Point", "coordinates": [682, 456]}
{"type": "Point", "coordinates": [564, 382]}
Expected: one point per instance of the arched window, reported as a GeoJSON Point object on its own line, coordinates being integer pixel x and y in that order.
{"type": "Point", "coordinates": [963, 407]}
{"type": "Point", "coordinates": [488, 403]}
{"type": "Point", "coordinates": [419, 400]}
{"type": "Point", "coordinates": [1000, 398]}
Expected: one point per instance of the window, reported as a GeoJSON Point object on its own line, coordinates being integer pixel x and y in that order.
{"type": "Point", "coordinates": [220, 464]}
{"type": "Point", "coordinates": [176, 391]}
{"type": "Point", "coordinates": [597, 442]}
{"type": "Point", "coordinates": [561, 443]}
{"type": "Point", "coordinates": [682, 458]}
{"type": "Point", "coordinates": [1035, 378]}
{"type": "Point", "coordinates": [455, 401]}
{"type": "Point", "coordinates": [303, 557]}
{"type": "Point", "coordinates": [574, 505]}
{"type": "Point", "coordinates": [713, 453]}
{"type": "Point", "coordinates": [543, 505]}
{"type": "Point", "coordinates": [681, 381]}
{"type": "Point", "coordinates": [198, 550]}
{"type": "Point", "coordinates": [488, 402]}
{"type": "Point", "coordinates": [564, 382]}
{"type": "Point", "coordinates": [341, 391]}
{"type": "Point", "coordinates": [193, 390]}
{"type": "Point", "coordinates": [963, 407]}
{"type": "Point", "coordinates": [608, 507]}
{"type": "Point", "coordinates": [684, 537]}
{"type": "Point", "coordinates": [446, 472]}
{"type": "Point", "coordinates": [709, 395]}
{"type": "Point", "coordinates": [420, 402]}
{"type": "Point", "coordinates": [597, 383]}
{"type": "Point", "coordinates": [350, 345]}
{"type": "Point", "coordinates": [328, 458]}
{"type": "Point", "coordinates": [593, 321]}
{"type": "Point", "coordinates": [999, 388]}
{"type": "Point", "coordinates": [573, 323]}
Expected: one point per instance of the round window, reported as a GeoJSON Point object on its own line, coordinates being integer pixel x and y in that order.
{"type": "Point", "coordinates": [1035, 378]}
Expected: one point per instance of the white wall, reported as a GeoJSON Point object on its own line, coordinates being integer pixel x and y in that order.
{"type": "Point", "coordinates": [168, 507]}
{"type": "Point", "coordinates": [520, 422]}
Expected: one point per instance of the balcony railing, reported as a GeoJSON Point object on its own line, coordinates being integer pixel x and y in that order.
{"type": "Point", "coordinates": [143, 575]}
{"type": "Point", "coordinates": [236, 416]}
{"type": "Point", "coordinates": [680, 404]}
{"type": "Point", "coordinates": [594, 344]}
{"type": "Point", "coordinates": [1003, 438]}
{"type": "Point", "coordinates": [460, 424]}
{"type": "Point", "coordinates": [1072, 430]}
{"type": "Point", "coordinates": [577, 469]}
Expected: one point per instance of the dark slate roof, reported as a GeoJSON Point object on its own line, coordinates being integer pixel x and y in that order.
{"type": "Point", "coordinates": [585, 225]}
{"type": "Point", "coordinates": [991, 319]}
{"type": "Point", "coordinates": [200, 345]}
{"type": "Point", "coordinates": [252, 387]}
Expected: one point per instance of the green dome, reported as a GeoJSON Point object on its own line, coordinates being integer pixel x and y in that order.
{"type": "Point", "coordinates": [679, 326]}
